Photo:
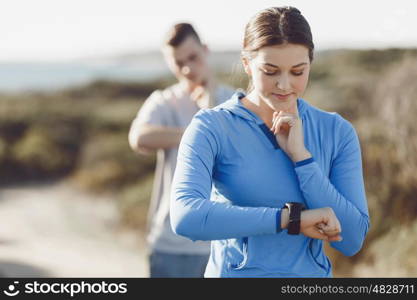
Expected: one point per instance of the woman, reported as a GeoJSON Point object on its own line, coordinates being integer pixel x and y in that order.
{"type": "Point", "coordinates": [241, 164]}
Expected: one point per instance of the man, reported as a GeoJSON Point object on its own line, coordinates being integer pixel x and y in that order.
{"type": "Point", "coordinates": [159, 126]}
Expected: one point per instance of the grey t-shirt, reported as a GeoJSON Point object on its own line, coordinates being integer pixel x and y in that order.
{"type": "Point", "coordinates": [171, 107]}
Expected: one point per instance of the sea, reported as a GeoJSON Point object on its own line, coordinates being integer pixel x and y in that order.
{"type": "Point", "coordinates": [18, 77]}
{"type": "Point", "coordinates": [46, 76]}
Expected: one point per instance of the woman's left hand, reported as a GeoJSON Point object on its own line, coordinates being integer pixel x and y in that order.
{"type": "Point", "coordinates": [288, 130]}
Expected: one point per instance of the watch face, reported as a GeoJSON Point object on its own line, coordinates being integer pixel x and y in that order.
{"type": "Point", "coordinates": [295, 209]}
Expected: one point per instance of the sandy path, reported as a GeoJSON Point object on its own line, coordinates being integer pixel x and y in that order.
{"type": "Point", "coordinates": [54, 230]}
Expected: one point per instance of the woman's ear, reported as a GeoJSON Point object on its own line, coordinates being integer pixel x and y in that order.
{"type": "Point", "coordinates": [246, 67]}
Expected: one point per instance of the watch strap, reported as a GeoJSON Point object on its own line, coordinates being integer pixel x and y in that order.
{"type": "Point", "coordinates": [295, 209]}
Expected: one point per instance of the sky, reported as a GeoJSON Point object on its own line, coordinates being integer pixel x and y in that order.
{"type": "Point", "coordinates": [60, 30]}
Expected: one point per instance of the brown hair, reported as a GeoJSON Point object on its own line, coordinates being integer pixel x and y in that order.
{"type": "Point", "coordinates": [179, 32]}
{"type": "Point", "coordinates": [277, 26]}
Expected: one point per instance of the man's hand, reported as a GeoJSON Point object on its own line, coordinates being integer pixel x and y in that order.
{"type": "Point", "coordinates": [204, 94]}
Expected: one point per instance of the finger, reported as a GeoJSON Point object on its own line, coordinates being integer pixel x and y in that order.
{"type": "Point", "coordinates": [287, 116]}
{"type": "Point", "coordinates": [321, 232]}
{"type": "Point", "coordinates": [332, 224]}
{"type": "Point", "coordinates": [284, 124]}
{"type": "Point", "coordinates": [335, 223]}
{"type": "Point", "coordinates": [291, 123]}
{"type": "Point", "coordinates": [318, 235]}
{"type": "Point", "coordinates": [335, 238]}
{"type": "Point", "coordinates": [329, 226]}
{"type": "Point", "coordinates": [319, 229]}
{"type": "Point", "coordinates": [330, 229]}
{"type": "Point", "coordinates": [277, 125]}
{"type": "Point", "coordinates": [338, 225]}
{"type": "Point", "coordinates": [274, 125]}
{"type": "Point", "coordinates": [315, 233]}
{"type": "Point", "coordinates": [322, 236]}
{"type": "Point", "coordinates": [274, 118]}
{"type": "Point", "coordinates": [284, 113]}
{"type": "Point", "coordinates": [332, 236]}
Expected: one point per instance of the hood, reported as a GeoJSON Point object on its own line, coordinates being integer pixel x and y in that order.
{"type": "Point", "coordinates": [235, 106]}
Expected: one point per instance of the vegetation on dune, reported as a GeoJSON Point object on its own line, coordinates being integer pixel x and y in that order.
{"type": "Point", "coordinates": [81, 134]}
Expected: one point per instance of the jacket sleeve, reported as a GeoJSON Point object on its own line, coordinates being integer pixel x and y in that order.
{"type": "Point", "coordinates": [193, 214]}
{"type": "Point", "coordinates": [343, 191]}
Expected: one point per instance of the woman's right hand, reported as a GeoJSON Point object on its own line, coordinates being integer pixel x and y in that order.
{"type": "Point", "coordinates": [320, 223]}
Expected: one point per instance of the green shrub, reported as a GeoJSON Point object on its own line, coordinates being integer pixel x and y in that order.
{"type": "Point", "coordinates": [106, 162]}
{"type": "Point", "coordinates": [3, 150]}
{"type": "Point", "coordinates": [115, 90]}
{"type": "Point", "coordinates": [134, 202]}
{"type": "Point", "coordinates": [84, 130]}
{"type": "Point", "coordinates": [39, 155]}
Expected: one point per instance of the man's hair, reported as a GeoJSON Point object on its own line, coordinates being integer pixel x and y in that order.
{"type": "Point", "coordinates": [179, 32]}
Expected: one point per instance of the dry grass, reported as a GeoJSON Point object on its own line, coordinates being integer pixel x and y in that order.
{"type": "Point", "coordinates": [81, 133]}
{"type": "Point", "coordinates": [385, 120]}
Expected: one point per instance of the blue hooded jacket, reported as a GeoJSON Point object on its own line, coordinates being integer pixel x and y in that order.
{"type": "Point", "coordinates": [232, 179]}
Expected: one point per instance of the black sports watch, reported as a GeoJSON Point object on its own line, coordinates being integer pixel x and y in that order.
{"type": "Point", "coordinates": [294, 209]}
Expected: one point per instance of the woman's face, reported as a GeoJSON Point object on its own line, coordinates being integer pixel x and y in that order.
{"type": "Point", "coordinates": [279, 74]}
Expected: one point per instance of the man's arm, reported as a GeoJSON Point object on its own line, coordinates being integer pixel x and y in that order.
{"type": "Point", "coordinates": [148, 138]}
